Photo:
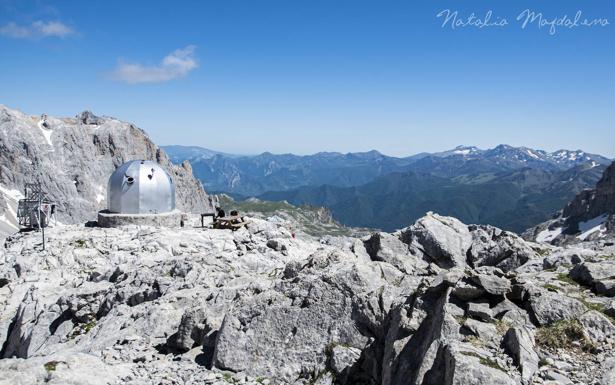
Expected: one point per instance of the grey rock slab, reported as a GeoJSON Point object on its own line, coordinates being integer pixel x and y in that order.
{"type": "Point", "coordinates": [480, 311]}
{"type": "Point", "coordinates": [464, 367]}
{"type": "Point", "coordinates": [389, 248]}
{"type": "Point", "coordinates": [492, 284]}
{"type": "Point", "coordinates": [495, 247]}
{"type": "Point", "coordinates": [589, 273]}
{"type": "Point", "coordinates": [598, 327]}
{"type": "Point", "coordinates": [485, 331]}
{"type": "Point", "coordinates": [443, 240]}
{"type": "Point", "coordinates": [548, 307]}
{"type": "Point", "coordinates": [560, 378]}
{"type": "Point", "coordinates": [343, 358]}
{"type": "Point", "coordinates": [519, 343]}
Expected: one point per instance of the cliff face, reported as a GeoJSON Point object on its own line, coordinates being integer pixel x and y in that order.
{"type": "Point", "coordinates": [593, 203]}
{"type": "Point", "coordinates": [73, 158]}
{"type": "Point", "coordinates": [590, 216]}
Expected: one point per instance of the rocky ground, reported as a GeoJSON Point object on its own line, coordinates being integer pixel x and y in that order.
{"type": "Point", "coordinates": [439, 302]}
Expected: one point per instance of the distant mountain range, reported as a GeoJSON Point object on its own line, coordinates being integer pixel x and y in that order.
{"type": "Point", "coordinates": [510, 187]}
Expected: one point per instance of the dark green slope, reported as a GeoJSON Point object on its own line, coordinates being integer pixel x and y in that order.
{"type": "Point", "coordinates": [514, 201]}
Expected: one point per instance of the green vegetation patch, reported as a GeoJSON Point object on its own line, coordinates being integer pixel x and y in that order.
{"type": "Point", "coordinates": [484, 360]}
{"type": "Point", "coordinates": [79, 243]}
{"type": "Point", "coordinates": [51, 366]}
{"type": "Point", "coordinates": [566, 279]}
{"type": "Point", "coordinates": [562, 335]}
{"type": "Point", "coordinates": [550, 287]}
{"type": "Point", "coordinates": [502, 326]}
{"type": "Point", "coordinates": [597, 307]}
{"type": "Point", "coordinates": [83, 329]}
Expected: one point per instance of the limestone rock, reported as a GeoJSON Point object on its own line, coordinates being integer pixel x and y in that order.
{"type": "Point", "coordinates": [598, 275]}
{"type": "Point", "coordinates": [494, 247]}
{"type": "Point", "coordinates": [480, 311]}
{"type": "Point", "coordinates": [548, 307]}
{"type": "Point", "coordinates": [388, 248]}
{"type": "Point", "coordinates": [443, 240]}
{"type": "Point", "coordinates": [143, 305]}
{"type": "Point", "coordinates": [519, 343]}
{"type": "Point", "coordinates": [492, 284]}
{"type": "Point", "coordinates": [467, 367]}
{"type": "Point", "coordinates": [598, 327]}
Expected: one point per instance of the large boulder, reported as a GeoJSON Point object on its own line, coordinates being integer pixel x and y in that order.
{"type": "Point", "coordinates": [519, 343]}
{"type": "Point", "coordinates": [465, 367]}
{"type": "Point", "coordinates": [387, 247]}
{"type": "Point", "coordinates": [548, 307]}
{"type": "Point", "coordinates": [288, 332]}
{"type": "Point", "coordinates": [442, 240]}
{"type": "Point", "coordinates": [494, 247]}
{"type": "Point", "coordinates": [492, 281]}
{"type": "Point", "coordinates": [600, 276]}
{"type": "Point", "coordinates": [598, 327]}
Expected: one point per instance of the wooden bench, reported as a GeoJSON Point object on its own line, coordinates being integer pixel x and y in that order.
{"type": "Point", "coordinates": [232, 222]}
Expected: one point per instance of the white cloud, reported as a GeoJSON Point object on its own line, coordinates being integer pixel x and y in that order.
{"type": "Point", "coordinates": [53, 28]}
{"type": "Point", "coordinates": [38, 29]}
{"type": "Point", "coordinates": [175, 65]}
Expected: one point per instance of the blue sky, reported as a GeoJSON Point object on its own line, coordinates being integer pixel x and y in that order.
{"type": "Point", "coordinates": [319, 75]}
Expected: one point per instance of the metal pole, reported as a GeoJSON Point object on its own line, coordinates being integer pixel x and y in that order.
{"type": "Point", "coordinates": [40, 219]}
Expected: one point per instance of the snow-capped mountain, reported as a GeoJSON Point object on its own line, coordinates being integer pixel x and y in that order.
{"type": "Point", "coordinates": [525, 156]}
{"type": "Point", "coordinates": [254, 175]}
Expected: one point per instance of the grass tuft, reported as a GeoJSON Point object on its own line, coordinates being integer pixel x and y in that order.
{"type": "Point", "coordinates": [82, 329]}
{"type": "Point", "coordinates": [562, 335]}
{"type": "Point", "coordinates": [566, 279]}
{"type": "Point", "coordinates": [79, 243]}
{"type": "Point", "coordinates": [502, 326]}
{"type": "Point", "coordinates": [484, 361]}
{"type": "Point", "coordinates": [550, 287]}
{"type": "Point", "coordinates": [51, 366]}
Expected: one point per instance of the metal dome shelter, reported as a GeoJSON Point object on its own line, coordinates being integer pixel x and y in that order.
{"type": "Point", "coordinates": [140, 187]}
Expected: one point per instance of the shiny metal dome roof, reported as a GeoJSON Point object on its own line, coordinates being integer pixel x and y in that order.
{"type": "Point", "coordinates": [140, 187]}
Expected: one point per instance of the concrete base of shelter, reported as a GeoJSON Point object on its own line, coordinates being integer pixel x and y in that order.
{"type": "Point", "coordinates": [170, 219]}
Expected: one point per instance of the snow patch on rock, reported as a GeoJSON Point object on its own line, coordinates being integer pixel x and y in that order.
{"type": "Point", "coordinates": [589, 227]}
{"type": "Point", "coordinates": [547, 235]}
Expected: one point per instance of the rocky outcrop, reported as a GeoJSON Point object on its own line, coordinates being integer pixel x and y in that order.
{"type": "Point", "coordinates": [73, 159]}
{"type": "Point", "coordinates": [590, 216]}
{"type": "Point", "coordinates": [593, 203]}
{"type": "Point", "coordinates": [600, 276]}
{"type": "Point", "coordinates": [442, 240]}
{"type": "Point", "coordinates": [261, 305]}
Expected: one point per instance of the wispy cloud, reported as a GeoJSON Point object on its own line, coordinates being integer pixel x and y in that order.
{"type": "Point", "coordinates": [38, 29]}
{"type": "Point", "coordinates": [175, 65]}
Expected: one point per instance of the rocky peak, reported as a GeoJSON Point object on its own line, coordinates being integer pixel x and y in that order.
{"type": "Point", "coordinates": [589, 216]}
{"type": "Point", "coordinates": [87, 117]}
{"type": "Point", "coordinates": [592, 203]}
{"type": "Point", "coordinates": [73, 159]}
